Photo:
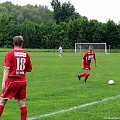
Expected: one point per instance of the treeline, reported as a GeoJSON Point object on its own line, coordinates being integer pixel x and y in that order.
{"type": "Point", "coordinates": [41, 27]}
{"type": "Point", "coordinates": [38, 14]}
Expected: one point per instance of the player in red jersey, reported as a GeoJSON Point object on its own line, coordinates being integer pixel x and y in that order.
{"type": "Point", "coordinates": [16, 64]}
{"type": "Point", "coordinates": [86, 60]}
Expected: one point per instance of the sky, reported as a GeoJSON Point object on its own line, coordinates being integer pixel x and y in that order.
{"type": "Point", "coordinates": [101, 10]}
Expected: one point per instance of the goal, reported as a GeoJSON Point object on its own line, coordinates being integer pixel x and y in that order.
{"type": "Point", "coordinates": [98, 47]}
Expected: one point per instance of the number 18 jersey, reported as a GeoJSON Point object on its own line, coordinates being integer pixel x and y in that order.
{"type": "Point", "coordinates": [19, 62]}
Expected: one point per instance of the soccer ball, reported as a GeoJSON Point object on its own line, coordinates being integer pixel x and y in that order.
{"type": "Point", "coordinates": [111, 82]}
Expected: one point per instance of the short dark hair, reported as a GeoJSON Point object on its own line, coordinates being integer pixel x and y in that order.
{"type": "Point", "coordinates": [18, 41]}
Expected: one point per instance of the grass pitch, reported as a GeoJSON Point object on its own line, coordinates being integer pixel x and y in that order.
{"type": "Point", "coordinates": [53, 86]}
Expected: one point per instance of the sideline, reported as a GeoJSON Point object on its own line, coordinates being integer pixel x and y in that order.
{"type": "Point", "coordinates": [74, 108]}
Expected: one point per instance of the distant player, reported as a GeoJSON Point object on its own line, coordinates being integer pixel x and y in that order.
{"type": "Point", "coordinates": [60, 50]}
{"type": "Point", "coordinates": [86, 60]}
{"type": "Point", "coordinates": [16, 64]}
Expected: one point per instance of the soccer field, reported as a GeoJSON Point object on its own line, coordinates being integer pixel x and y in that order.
{"type": "Point", "coordinates": [55, 93]}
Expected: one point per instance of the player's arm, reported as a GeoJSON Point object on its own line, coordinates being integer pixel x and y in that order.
{"type": "Point", "coordinates": [5, 76]}
{"type": "Point", "coordinates": [83, 64]}
{"type": "Point", "coordinates": [29, 64]}
{"type": "Point", "coordinates": [83, 60]}
{"type": "Point", "coordinates": [95, 60]}
{"type": "Point", "coordinates": [7, 63]}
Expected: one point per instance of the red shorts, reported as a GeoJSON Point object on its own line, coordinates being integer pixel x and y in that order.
{"type": "Point", "coordinates": [16, 89]}
{"type": "Point", "coordinates": [87, 67]}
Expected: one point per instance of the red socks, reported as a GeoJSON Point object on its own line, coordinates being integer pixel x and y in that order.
{"type": "Point", "coordinates": [1, 109]}
{"type": "Point", "coordinates": [84, 75]}
{"type": "Point", "coordinates": [23, 113]}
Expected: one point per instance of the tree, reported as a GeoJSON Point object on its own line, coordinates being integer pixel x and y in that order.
{"type": "Point", "coordinates": [38, 14]}
{"type": "Point", "coordinates": [28, 31]}
{"type": "Point", "coordinates": [56, 5]}
{"type": "Point", "coordinates": [63, 12]}
{"type": "Point", "coordinates": [7, 26]}
{"type": "Point", "coordinates": [112, 34]}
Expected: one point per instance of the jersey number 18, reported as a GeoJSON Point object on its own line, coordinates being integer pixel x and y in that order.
{"type": "Point", "coordinates": [21, 64]}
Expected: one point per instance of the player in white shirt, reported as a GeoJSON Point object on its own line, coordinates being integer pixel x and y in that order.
{"type": "Point", "coordinates": [60, 50]}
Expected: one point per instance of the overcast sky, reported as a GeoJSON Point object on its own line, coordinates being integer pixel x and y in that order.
{"type": "Point", "coordinates": [101, 10]}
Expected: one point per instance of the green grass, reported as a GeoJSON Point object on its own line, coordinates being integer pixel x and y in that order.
{"type": "Point", "coordinates": [53, 86]}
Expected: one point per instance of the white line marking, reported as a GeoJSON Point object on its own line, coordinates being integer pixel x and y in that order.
{"type": "Point", "coordinates": [73, 108]}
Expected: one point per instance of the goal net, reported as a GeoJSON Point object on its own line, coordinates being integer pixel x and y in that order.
{"type": "Point", "coordinates": [98, 47]}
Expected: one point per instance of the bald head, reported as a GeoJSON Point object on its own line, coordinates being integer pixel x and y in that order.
{"type": "Point", "coordinates": [18, 41]}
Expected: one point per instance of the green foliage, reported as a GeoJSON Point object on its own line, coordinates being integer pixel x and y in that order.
{"type": "Point", "coordinates": [39, 29]}
{"type": "Point", "coordinates": [7, 25]}
{"type": "Point", "coordinates": [38, 14]}
{"type": "Point", "coordinates": [63, 12]}
{"type": "Point", "coordinates": [112, 34]}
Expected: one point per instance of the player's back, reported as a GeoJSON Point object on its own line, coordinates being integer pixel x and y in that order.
{"type": "Point", "coordinates": [19, 62]}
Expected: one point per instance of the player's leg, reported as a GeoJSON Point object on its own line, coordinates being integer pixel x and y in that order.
{"type": "Point", "coordinates": [83, 74]}
{"type": "Point", "coordinates": [87, 73]}
{"type": "Point", "coordinates": [2, 104]}
{"type": "Point", "coordinates": [23, 110]}
{"type": "Point", "coordinates": [21, 96]}
{"type": "Point", "coordinates": [6, 94]}
{"type": "Point", "coordinates": [61, 54]}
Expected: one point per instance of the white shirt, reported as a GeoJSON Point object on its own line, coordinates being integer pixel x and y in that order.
{"type": "Point", "coordinates": [60, 49]}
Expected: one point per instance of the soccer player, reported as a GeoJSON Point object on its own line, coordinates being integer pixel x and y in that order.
{"type": "Point", "coordinates": [86, 60]}
{"type": "Point", "coordinates": [16, 64]}
{"type": "Point", "coordinates": [60, 50]}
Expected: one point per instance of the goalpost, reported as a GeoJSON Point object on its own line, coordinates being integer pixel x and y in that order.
{"type": "Point", "coordinates": [98, 47]}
